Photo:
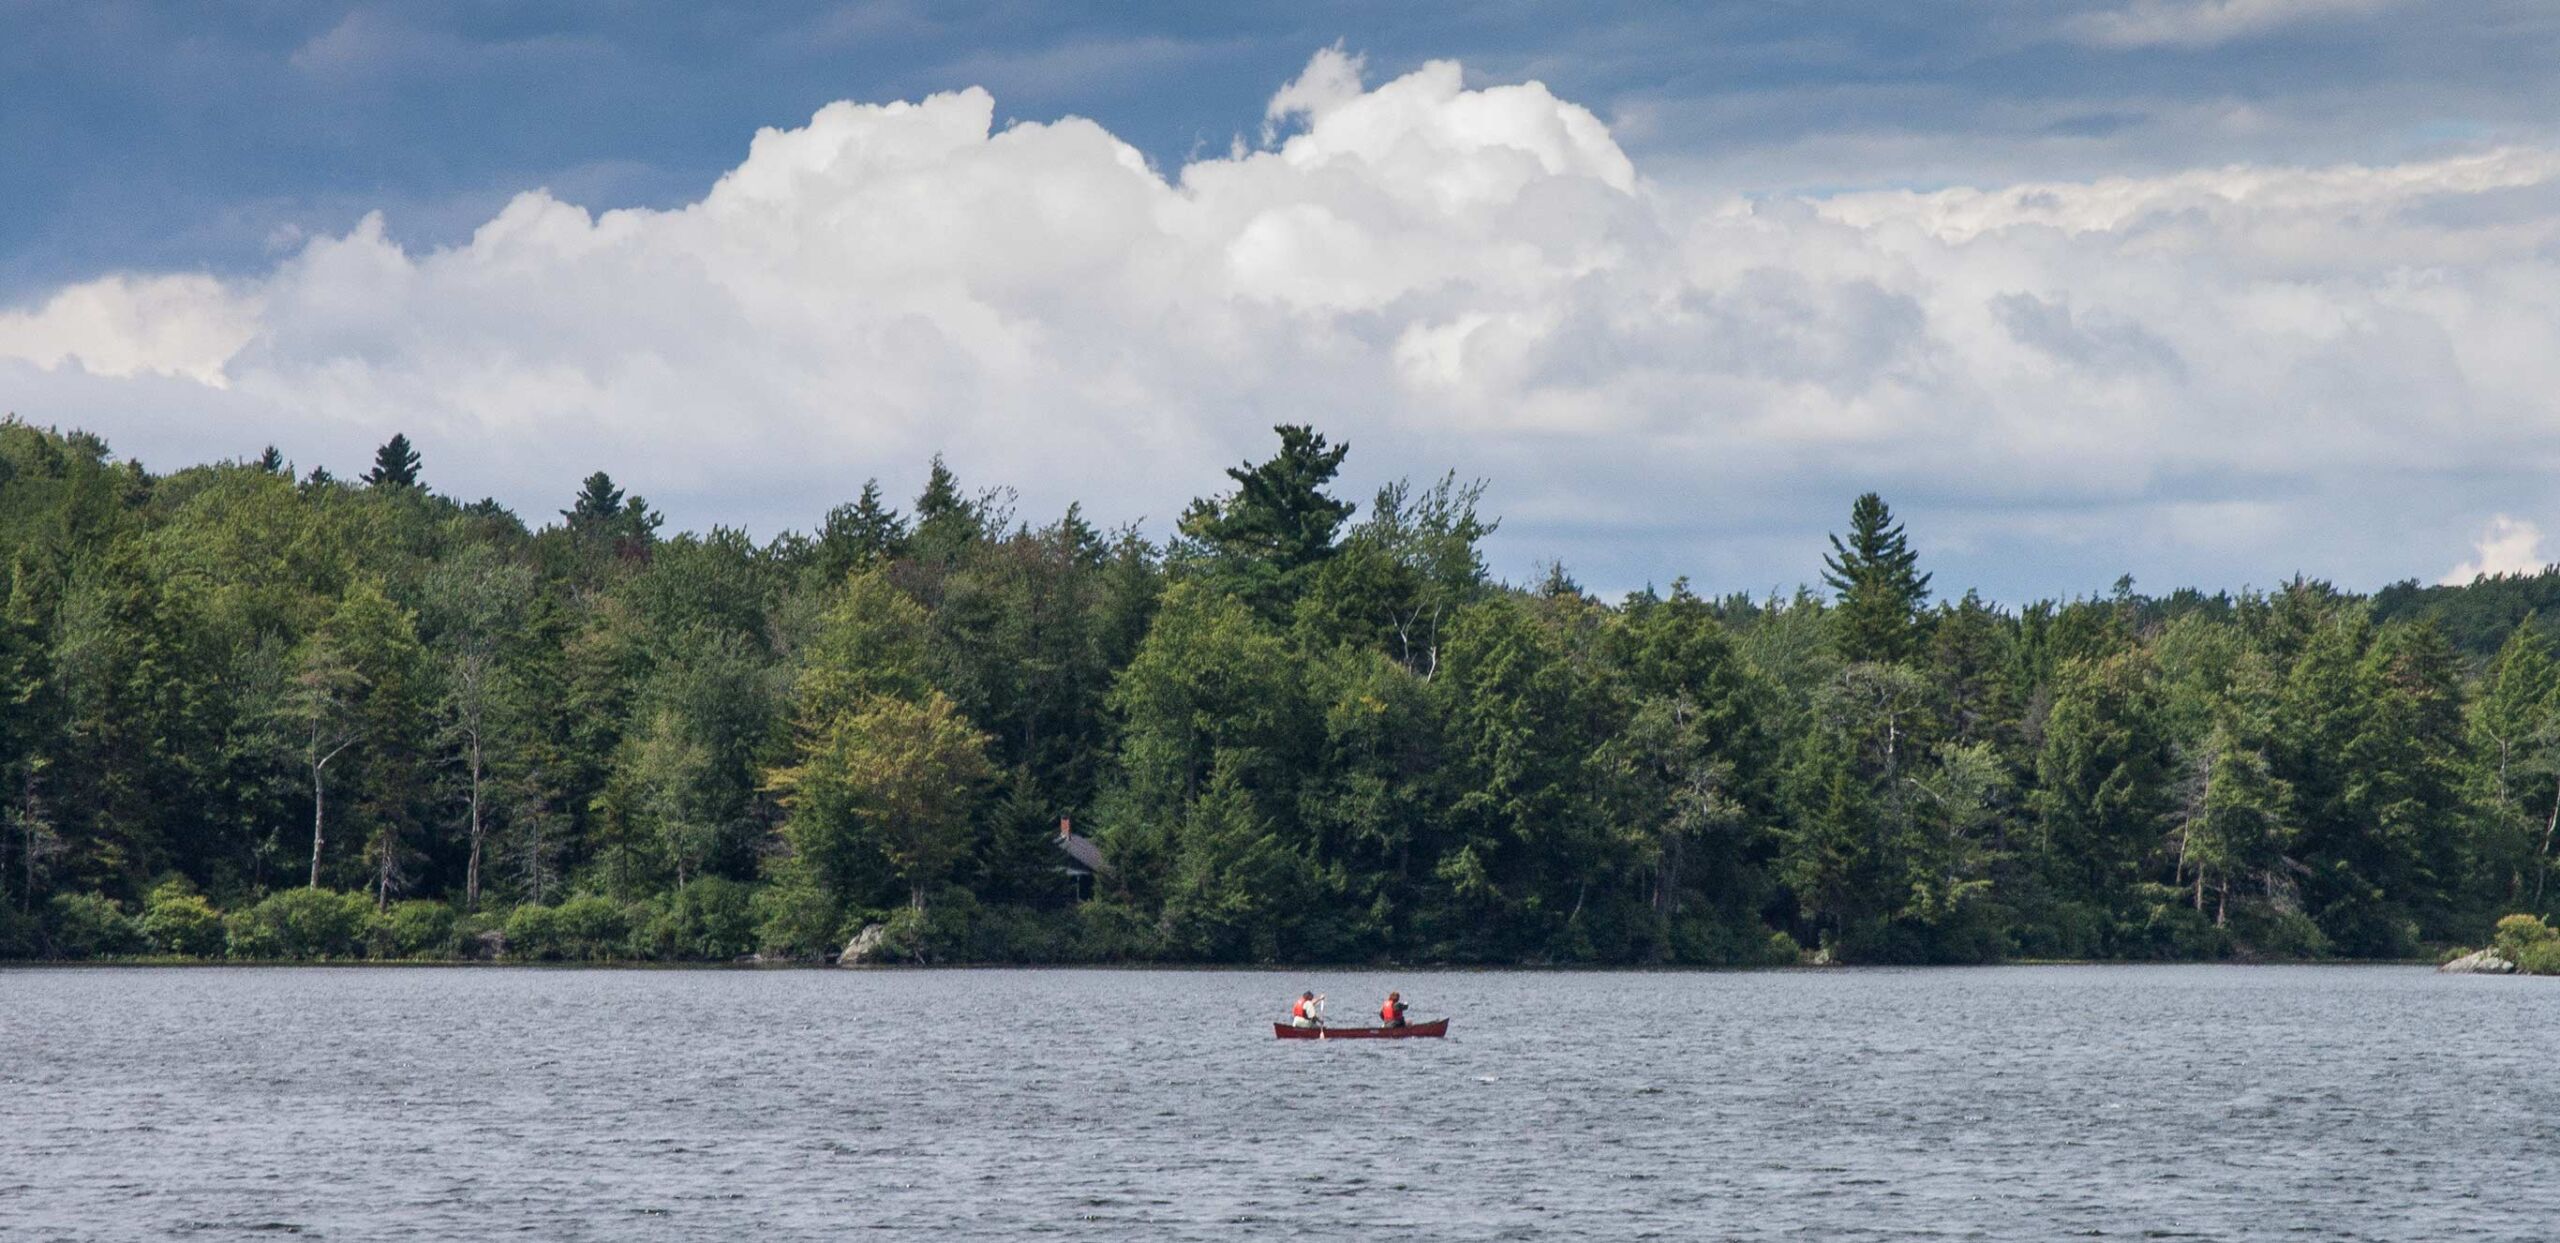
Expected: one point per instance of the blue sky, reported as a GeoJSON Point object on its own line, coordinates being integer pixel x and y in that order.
{"type": "Point", "coordinates": [2053, 399]}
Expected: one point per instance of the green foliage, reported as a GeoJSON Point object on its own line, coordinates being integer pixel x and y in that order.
{"type": "Point", "coordinates": [604, 522]}
{"type": "Point", "coordinates": [300, 924]}
{"type": "Point", "coordinates": [20, 934]}
{"type": "Point", "coordinates": [2103, 779]}
{"type": "Point", "coordinates": [1880, 589]}
{"type": "Point", "coordinates": [1293, 737]}
{"type": "Point", "coordinates": [713, 918]}
{"type": "Point", "coordinates": [859, 536]}
{"type": "Point", "coordinates": [585, 928]}
{"type": "Point", "coordinates": [86, 925]}
{"type": "Point", "coordinates": [2528, 942]}
{"type": "Point", "coordinates": [395, 464]}
{"type": "Point", "coordinates": [794, 918]}
{"type": "Point", "coordinates": [891, 778]}
{"type": "Point", "coordinates": [2265, 930]}
{"type": "Point", "coordinates": [177, 920]}
{"type": "Point", "coordinates": [1259, 541]}
{"type": "Point", "coordinates": [417, 928]}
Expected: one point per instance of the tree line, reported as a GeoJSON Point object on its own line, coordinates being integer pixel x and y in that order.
{"type": "Point", "coordinates": [252, 712]}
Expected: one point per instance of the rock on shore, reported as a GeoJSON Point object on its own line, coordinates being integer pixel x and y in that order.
{"type": "Point", "coordinates": [859, 951]}
{"type": "Point", "coordinates": [2480, 962]}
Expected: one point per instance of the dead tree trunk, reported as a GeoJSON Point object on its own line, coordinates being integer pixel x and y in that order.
{"type": "Point", "coordinates": [479, 832]}
{"type": "Point", "coordinates": [320, 798]}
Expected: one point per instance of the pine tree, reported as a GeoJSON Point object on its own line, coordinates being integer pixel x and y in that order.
{"type": "Point", "coordinates": [601, 514]}
{"type": "Point", "coordinates": [395, 464]}
{"type": "Point", "coordinates": [862, 534]}
{"type": "Point", "coordinates": [599, 503]}
{"type": "Point", "coordinates": [947, 522]}
{"type": "Point", "coordinates": [1880, 594]}
{"type": "Point", "coordinates": [272, 461]}
{"type": "Point", "coordinates": [2104, 776]}
{"type": "Point", "coordinates": [1278, 523]}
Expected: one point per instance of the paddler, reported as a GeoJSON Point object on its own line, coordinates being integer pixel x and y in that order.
{"type": "Point", "coordinates": [1307, 1011]}
{"type": "Point", "coordinates": [1392, 1013]}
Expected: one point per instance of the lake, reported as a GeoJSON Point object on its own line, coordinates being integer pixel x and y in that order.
{"type": "Point", "coordinates": [1994, 1103]}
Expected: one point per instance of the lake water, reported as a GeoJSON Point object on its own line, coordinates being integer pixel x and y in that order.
{"type": "Point", "coordinates": [1999, 1103]}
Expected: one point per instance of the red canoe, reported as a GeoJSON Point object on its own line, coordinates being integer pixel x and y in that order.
{"type": "Point", "coordinates": [1436, 1027]}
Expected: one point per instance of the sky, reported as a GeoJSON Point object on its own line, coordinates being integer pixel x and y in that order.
{"type": "Point", "coordinates": [2208, 292]}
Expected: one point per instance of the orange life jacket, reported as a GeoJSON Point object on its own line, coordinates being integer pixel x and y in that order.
{"type": "Point", "coordinates": [1298, 1009]}
{"type": "Point", "coordinates": [1391, 1011]}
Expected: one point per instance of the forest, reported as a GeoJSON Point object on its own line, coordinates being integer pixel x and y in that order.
{"type": "Point", "coordinates": [257, 713]}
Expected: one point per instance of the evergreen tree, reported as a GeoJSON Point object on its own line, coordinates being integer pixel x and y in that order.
{"type": "Point", "coordinates": [395, 464]}
{"type": "Point", "coordinates": [1880, 591]}
{"type": "Point", "coordinates": [1521, 848]}
{"type": "Point", "coordinates": [860, 535]}
{"type": "Point", "coordinates": [947, 523]}
{"type": "Point", "coordinates": [2513, 737]}
{"type": "Point", "coordinates": [1279, 522]}
{"type": "Point", "coordinates": [2103, 782]}
{"type": "Point", "coordinates": [597, 506]}
{"type": "Point", "coordinates": [602, 517]}
{"type": "Point", "coordinates": [1970, 657]}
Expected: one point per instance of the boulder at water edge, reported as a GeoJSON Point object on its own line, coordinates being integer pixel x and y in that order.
{"type": "Point", "coordinates": [2480, 962]}
{"type": "Point", "coordinates": [865, 944]}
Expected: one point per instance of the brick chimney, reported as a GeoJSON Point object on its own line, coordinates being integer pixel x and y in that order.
{"type": "Point", "coordinates": [1066, 828]}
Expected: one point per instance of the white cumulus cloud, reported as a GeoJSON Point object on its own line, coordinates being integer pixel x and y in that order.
{"type": "Point", "coordinates": [2506, 546]}
{"type": "Point", "coordinates": [1657, 381]}
{"type": "Point", "coordinates": [119, 327]}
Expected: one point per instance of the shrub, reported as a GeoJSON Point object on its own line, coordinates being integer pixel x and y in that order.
{"type": "Point", "coordinates": [19, 933]}
{"type": "Point", "coordinates": [1713, 938]}
{"type": "Point", "coordinates": [795, 920]}
{"type": "Point", "coordinates": [2529, 943]}
{"type": "Point", "coordinates": [591, 926]}
{"type": "Point", "coordinates": [2368, 927]}
{"type": "Point", "coordinates": [2264, 932]}
{"type": "Point", "coordinates": [584, 928]}
{"type": "Point", "coordinates": [1021, 934]}
{"type": "Point", "coordinates": [414, 929]}
{"type": "Point", "coordinates": [2168, 928]}
{"type": "Point", "coordinates": [301, 923]}
{"type": "Point", "coordinates": [712, 918]}
{"type": "Point", "coordinates": [88, 925]}
{"type": "Point", "coordinates": [248, 937]}
{"type": "Point", "coordinates": [480, 935]}
{"type": "Point", "coordinates": [1782, 951]}
{"type": "Point", "coordinates": [1111, 932]}
{"type": "Point", "coordinates": [177, 920]}
{"type": "Point", "coordinates": [909, 935]}
{"type": "Point", "coordinates": [2058, 930]}
{"type": "Point", "coordinates": [533, 932]}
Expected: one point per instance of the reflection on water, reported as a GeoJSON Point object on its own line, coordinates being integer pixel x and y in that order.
{"type": "Point", "coordinates": [2008, 1103]}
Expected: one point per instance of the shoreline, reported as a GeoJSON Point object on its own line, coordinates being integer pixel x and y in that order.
{"type": "Point", "coordinates": [624, 964]}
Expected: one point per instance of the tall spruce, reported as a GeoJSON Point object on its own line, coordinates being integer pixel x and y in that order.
{"type": "Point", "coordinates": [860, 535]}
{"type": "Point", "coordinates": [1874, 571]}
{"type": "Point", "coordinates": [395, 464]}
